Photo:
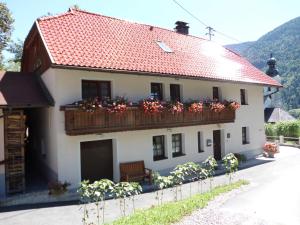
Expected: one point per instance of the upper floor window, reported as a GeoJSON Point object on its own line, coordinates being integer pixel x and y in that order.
{"type": "Point", "coordinates": [216, 94]}
{"type": "Point", "coordinates": [243, 97]}
{"type": "Point", "coordinates": [175, 92]}
{"type": "Point", "coordinates": [157, 91]}
{"type": "Point", "coordinates": [245, 135]}
{"type": "Point", "coordinates": [92, 89]}
{"type": "Point", "coordinates": [158, 147]}
{"type": "Point", "coordinates": [177, 145]}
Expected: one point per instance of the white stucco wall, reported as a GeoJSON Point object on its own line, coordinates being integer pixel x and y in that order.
{"type": "Point", "coordinates": [64, 151]}
{"type": "Point", "coordinates": [2, 167]}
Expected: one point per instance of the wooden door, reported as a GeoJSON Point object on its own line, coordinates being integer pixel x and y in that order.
{"type": "Point", "coordinates": [96, 160]}
{"type": "Point", "coordinates": [217, 144]}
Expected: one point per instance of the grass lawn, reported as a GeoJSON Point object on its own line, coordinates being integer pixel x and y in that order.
{"type": "Point", "coordinates": [172, 212]}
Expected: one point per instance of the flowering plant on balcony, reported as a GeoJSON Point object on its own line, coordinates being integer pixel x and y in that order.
{"type": "Point", "coordinates": [89, 105]}
{"type": "Point", "coordinates": [152, 106]}
{"type": "Point", "coordinates": [117, 105]}
{"type": "Point", "coordinates": [196, 107]}
{"type": "Point", "coordinates": [216, 107]}
{"type": "Point", "coordinates": [270, 147]}
{"type": "Point", "coordinates": [233, 105]}
{"type": "Point", "coordinates": [175, 107]}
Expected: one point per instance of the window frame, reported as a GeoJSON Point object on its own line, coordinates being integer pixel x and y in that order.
{"type": "Point", "coordinates": [243, 96]}
{"type": "Point", "coordinates": [160, 88]}
{"type": "Point", "coordinates": [162, 155]}
{"type": "Point", "coordinates": [200, 142]}
{"type": "Point", "coordinates": [98, 88]}
{"type": "Point", "coordinates": [177, 143]}
{"type": "Point", "coordinates": [216, 91]}
{"type": "Point", "coordinates": [245, 135]}
{"type": "Point", "coordinates": [175, 92]}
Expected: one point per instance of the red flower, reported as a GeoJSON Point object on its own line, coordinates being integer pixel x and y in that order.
{"type": "Point", "coordinates": [270, 147]}
{"type": "Point", "coordinates": [217, 107]}
{"type": "Point", "coordinates": [152, 106]}
{"type": "Point", "coordinates": [176, 107]}
{"type": "Point", "coordinates": [196, 107]}
{"type": "Point", "coordinates": [234, 105]}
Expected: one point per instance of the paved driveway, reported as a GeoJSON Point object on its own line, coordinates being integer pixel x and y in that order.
{"type": "Point", "coordinates": [274, 196]}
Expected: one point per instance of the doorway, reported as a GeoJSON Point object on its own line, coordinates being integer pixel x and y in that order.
{"type": "Point", "coordinates": [96, 160]}
{"type": "Point", "coordinates": [217, 144]}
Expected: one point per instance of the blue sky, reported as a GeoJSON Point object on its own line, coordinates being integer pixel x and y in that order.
{"type": "Point", "coordinates": [245, 20]}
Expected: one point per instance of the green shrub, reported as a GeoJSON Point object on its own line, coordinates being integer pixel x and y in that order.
{"type": "Point", "coordinates": [286, 128]}
{"type": "Point", "coordinates": [240, 157]}
{"type": "Point", "coordinates": [295, 113]}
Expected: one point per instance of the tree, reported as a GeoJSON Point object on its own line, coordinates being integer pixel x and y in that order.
{"type": "Point", "coordinates": [16, 48]}
{"type": "Point", "coordinates": [6, 28]}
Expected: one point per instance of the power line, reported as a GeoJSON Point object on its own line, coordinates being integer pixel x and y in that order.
{"type": "Point", "coordinates": [210, 29]}
{"type": "Point", "coordinates": [191, 14]}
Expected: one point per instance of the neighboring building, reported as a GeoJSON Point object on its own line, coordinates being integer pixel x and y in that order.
{"type": "Point", "coordinates": [272, 98]}
{"type": "Point", "coordinates": [80, 54]}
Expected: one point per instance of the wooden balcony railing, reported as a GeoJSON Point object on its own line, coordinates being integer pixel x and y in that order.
{"type": "Point", "coordinates": [79, 122]}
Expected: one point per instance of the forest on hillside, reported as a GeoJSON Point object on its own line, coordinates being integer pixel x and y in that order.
{"type": "Point", "coordinates": [284, 43]}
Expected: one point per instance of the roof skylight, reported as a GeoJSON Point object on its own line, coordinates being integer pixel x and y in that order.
{"type": "Point", "coordinates": [164, 47]}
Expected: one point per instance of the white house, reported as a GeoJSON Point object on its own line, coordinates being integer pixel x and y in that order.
{"type": "Point", "coordinates": [81, 55]}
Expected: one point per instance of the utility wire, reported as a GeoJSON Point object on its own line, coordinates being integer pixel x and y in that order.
{"type": "Point", "coordinates": [210, 29]}
{"type": "Point", "coordinates": [191, 14]}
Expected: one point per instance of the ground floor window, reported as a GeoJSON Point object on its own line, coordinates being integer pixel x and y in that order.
{"type": "Point", "coordinates": [245, 135]}
{"type": "Point", "coordinates": [177, 145]}
{"type": "Point", "coordinates": [159, 147]}
{"type": "Point", "coordinates": [200, 142]}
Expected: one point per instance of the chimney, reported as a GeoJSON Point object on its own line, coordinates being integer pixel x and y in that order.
{"type": "Point", "coordinates": [182, 27]}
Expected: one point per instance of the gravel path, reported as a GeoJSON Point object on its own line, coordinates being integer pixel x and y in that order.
{"type": "Point", "coordinates": [214, 214]}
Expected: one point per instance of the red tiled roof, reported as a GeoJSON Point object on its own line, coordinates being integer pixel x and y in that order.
{"type": "Point", "coordinates": [83, 39]}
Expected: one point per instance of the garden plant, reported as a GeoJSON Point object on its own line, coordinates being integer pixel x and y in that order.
{"type": "Point", "coordinates": [231, 164]}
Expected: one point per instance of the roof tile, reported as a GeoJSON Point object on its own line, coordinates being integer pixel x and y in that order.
{"type": "Point", "coordinates": [83, 39]}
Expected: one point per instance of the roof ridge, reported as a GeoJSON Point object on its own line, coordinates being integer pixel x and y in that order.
{"type": "Point", "coordinates": [69, 12]}
{"type": "Point", "coordinates": [114, 18]}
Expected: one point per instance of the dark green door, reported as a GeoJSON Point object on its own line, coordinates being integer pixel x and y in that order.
{"type": "Point", "coordinates": [217, 144]}
{"type": "Point", "coordinates": [96, 160]}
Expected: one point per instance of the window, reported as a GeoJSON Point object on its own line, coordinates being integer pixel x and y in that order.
{"type": "Point", "coordinates": [243, 97]}
{"type": "Point", "coordinates": [164, 47]}
{"type": "Point", "coordinates": [245, 135]}
{"type": "Point", "coordinates": [200, 142]}
{"type": "Point", "coordinates": [159, 147]}
{"type": "Point", "coordinates": [175, 92]}
{"type": "Point", "coordinates": [177, 145]}
{"type": "Point", "coordinates": [216, 95]}
{"type": "Point", "coordinates": [92, 89]}
{"type": "Point", "coordinates": [156, 91]}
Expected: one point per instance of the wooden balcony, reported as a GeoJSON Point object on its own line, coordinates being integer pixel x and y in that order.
{"type": "Point", "coordinates": [79, 122]}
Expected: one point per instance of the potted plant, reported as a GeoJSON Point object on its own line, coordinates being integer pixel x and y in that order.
{"type": "Point", "coordinates": [57, 188]}
{"type": "Point", "coordinates": [233, 105]}
{"type": "Point", "coordinates": [117, 105]}
{"type": "Point", "coordinates": [175, 107]}
{"type": "Point", "coordinates": [152, 106]}
{"type": "Point", "coordinates": [217, 107]}
{"type": "Point", "coordinates": [270, 149]}
{"type": "Point", "coordinates": [196, 107]}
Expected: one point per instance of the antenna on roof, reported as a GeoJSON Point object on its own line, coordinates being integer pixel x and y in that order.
{"type": "Point", "coordinates": [210, 32]}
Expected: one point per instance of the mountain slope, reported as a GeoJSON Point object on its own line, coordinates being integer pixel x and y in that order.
{"type": "Point", "coordinates": [284, 43]}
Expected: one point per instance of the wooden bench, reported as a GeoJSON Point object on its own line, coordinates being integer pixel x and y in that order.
{"type": "Point", "coordinates": [135, 171]}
